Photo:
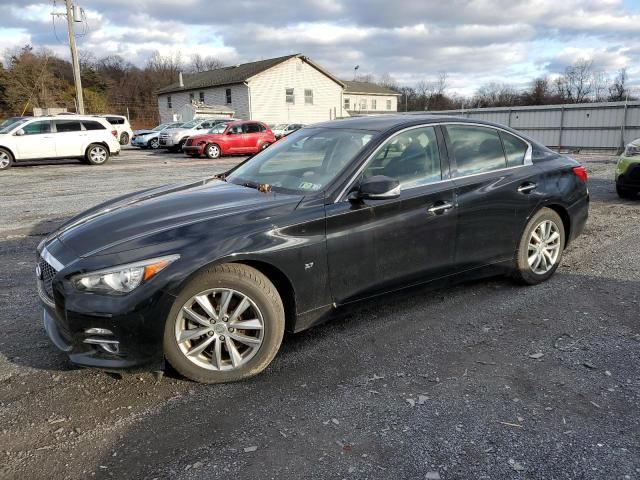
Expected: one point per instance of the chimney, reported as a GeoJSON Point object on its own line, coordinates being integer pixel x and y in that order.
{"type": "Point", "coordinates": [180, 80]}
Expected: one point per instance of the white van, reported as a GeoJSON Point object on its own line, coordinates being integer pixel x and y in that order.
{"type": "Point", "coordinates": [91, 139]}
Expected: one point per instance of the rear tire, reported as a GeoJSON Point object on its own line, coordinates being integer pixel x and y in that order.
{"type": "Point", "coordinates": [124, 138]}
{"type": "Point", "coordinates": [212, 151]}
{"type": "Point", "coordinates": [540, 249]}
{"type": "Point", "coordinates": [224, 358]}
{"type": "Point", "coordinates": [625, 193]}
{"type": "Point", "coordinates": [6, 159]}
{"type": "Point", "coordinates": [96, 154]}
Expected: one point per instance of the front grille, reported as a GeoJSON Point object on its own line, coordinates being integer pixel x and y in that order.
{"type": "Point", "coordinates": [47, 272]}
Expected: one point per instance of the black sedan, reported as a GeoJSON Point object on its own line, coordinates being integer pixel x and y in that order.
{"type": "Point", "coordinates": [209, 275]}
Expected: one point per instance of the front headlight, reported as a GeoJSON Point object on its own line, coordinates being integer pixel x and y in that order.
{"type": "Point", "coordinates": [632, 150]}
{"type": "Point", "coordinates": [123, 278]}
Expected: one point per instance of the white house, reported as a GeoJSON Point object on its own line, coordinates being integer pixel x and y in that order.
{"type": "Point", "coordinates": [290, 89]}
{"type": "Point", "coordinates": [360, 98]}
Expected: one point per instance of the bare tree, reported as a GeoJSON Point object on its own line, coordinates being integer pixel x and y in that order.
{"type": "Point", "coordinates": [365, 77]}
{"type": "Point", "coordinates": [600, 86]}
{"type": "Point", "coordinates": [579, 81]}
{"type": "Point", "coordinates": [386, 80]}
{"type": "Point", "coordinates": [496, 95]}
{"type": "Point", "coordinates": [618, 89]}
{"type": "Point", "coordinates": [202, 64]}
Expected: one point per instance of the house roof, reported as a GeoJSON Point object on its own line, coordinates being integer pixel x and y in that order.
{"type": "Point", "coordinates": [367, 88]}
{"type": "Point", "coordinates": [234, 74]}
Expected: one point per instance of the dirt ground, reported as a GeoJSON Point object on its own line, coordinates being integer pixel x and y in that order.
{"type": "Point", "coordinates": [485, 380]}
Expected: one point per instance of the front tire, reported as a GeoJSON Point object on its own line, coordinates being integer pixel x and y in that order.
{"type": "Point", "coordinates": [625, 193]}
{"type": "Point", "coordinates": [226, 325]}
{"type": "Point", "coordinates": [124, 138]}
{"type": "Point", "coordinates": [154, 144]}
{"type": "Point", "coordinates": [212, 151]}
{"type": "Point", "coordinates": [96, 154]}
{"type": "Point", "coordinates": [540, 248]}
{"type": "Point", "coordinates": [6, 159]}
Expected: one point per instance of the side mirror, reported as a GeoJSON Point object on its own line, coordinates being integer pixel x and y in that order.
{"type": "Point", "coordinates": [20, 133]}
{"type": "Point", "coordinates": [378, 187]}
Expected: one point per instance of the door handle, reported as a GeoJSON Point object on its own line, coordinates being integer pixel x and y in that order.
{"type": "Point", "coordinates": [527, 187]}
{"type": "Point", "coordinates": [439, 208]}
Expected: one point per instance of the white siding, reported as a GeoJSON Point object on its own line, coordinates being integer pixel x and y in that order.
{"type": "Point", "coordinates": [268, 102]}
{"type": "Point", "coordinates": [381, 102]}
{"type": "Point", "coordinates": [212, 96]}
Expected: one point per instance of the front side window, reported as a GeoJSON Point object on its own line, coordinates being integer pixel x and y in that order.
{"type": "Point", "coordinates": [514, 148]}
{"type": "Point", "coordinates": [169, 102]}
{"type": "Point", "coordinates": [476, 149]}
{"type": "Point", "coordinates": [305, 161]}
{"type": "Point", "coordinates": [412, 157]}
{"type": "Point", "coordinates": [235, 130]}
{"type": "Point", "coordinates": [308, 97]}
{"type": "Point", "coordinates": [228, 95]}
{"type": "Point", "coordinates": [290, 97]}
{"type": "Point", "coordinates": [37, 128]}
{"type": "Point", "coordinates": [64, 126]}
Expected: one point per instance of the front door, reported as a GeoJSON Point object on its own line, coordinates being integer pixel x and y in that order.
{"type": "Point", "coordinates": [234, 139]}
{"type": "Point", "coordinates": [380, 245]}
{"type": "Point", "coordinates": [495, 191]}
{"type": "Point", "coordinates": [37, 141]}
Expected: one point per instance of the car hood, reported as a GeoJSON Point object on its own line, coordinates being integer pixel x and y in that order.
{"type": "Point", "coordinates": [144, 132]}
{"type": "Point", "coordinates": [151, 212]}
{"type": "Point", "coordinates": [175, 131]}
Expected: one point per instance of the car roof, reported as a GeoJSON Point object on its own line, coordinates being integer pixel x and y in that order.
{"type": "Point", "coordinates": [65, 118]}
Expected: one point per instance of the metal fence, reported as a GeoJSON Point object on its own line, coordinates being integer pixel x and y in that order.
{"type": "Point", "coordinates": [586, 126]}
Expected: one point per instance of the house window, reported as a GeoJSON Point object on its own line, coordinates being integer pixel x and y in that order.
{"type": "Point", "coordinates": [373, 104]}
{"type": "Point", "coordinates": [388, 104]}
{"type": "Point", "coordinates": [308, 97]}
{"type": "Point", "coordinates": [363, 104]}
{"type": "Point", "coordinates": [291, 98]}
{"type": "Point", "coordinates": [228, 95]}
{"type": "Point", "coordinates": [169, 105]}
{"type": "Point", "coordinates": [192, 96]}
{"type": "Point", "coordinates": [347, 104]}
{"type": "Point", "coordinates": [201, 97]}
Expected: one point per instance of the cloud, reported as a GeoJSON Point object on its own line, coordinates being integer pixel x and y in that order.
{"type": "Point", "coordinates": [475, 41]}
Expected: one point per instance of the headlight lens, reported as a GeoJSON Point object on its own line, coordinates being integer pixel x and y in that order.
{"type": "Point", "coordinates": [124, 278]}
{"type": "Point", "coordinates": [632, 150]}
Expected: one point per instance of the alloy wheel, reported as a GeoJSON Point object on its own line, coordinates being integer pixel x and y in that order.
{"type": "Point", "coordinates": [219, 329]}
{"type": "Point", "coordinates": [5, 160]}
{"type": "Point", "coordinates": [544, 247]}
{"type": "Point", "coordinates": [98, 155]}
{"type": "Point", "coordinates": [213, 151]}
{"type": "Point", "coordinates": [155, 144]}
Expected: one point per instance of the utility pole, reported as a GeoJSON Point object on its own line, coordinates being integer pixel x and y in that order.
{"type": "Point", "coordinates": [73, 15]}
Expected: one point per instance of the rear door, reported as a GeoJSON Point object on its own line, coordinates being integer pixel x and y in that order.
{"type": "Point", "coordinates": [251, 137]}
{"type": "Point", "coordinates": [379, 245]}
{"type": "Point", "coordinates": [69, 138]}
{"type": "Point", "coordinates": [37, 141]}
{"type": "Point", "coordinates": [494, 192]}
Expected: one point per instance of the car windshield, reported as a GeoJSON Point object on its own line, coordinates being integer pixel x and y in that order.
{"type": "Point", "coordinates": [220, 128]}
{"type": "Point", "coordinates": [11, 123]}
{"type": "Point", "coordinates": [159, 128]}
{"type": "Point", "coordinates": [192, 124]}
{"type": "Point", "coordinates": [306, 161]}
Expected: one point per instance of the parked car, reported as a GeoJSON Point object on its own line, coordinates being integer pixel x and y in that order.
{"type": "Point", "coordinates": [210, 274]}
{"type": "Point", "coordinates": [628, 171]}
{"type": "Point", "coordinates": [174, 138]}
{"type": "Point", "coordinates": [229, 139]}
{"type": "Point", "coordinates": [88, 138]}
{"type": "Point", "coordinates": [121, 124]}
{"type": "Point", "coordinates": [284, 129]}
{"type": "Point", "coordinates": [151, 138]}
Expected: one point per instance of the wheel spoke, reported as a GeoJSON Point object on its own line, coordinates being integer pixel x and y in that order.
{"type": "Point", "coordinates": [246, 339]}
{"type": "Point", "coordinates": [195, 317]}
{"type": "Point", "coordinates": [216, 359]}
{"type": "Point", "coordinates": [538, 261]}
{"type": "Point", "coordinates": [205, 303]}
{"type": "Point", "coordinates": [535, 236]}
{"type": "Point", "coordinates": [225, 299]}
{"type": "Point", "coordinates": [253, 324]}
{"type": "Point", "coordinates": [197, 350]}
{"type": "Point", "coordinates": [553, 237]}
{"type": "Point", "coordinates": [236, 359]}
{"type": "Point", "coordinates": [240, 309]}
{"type": "Point", "coordinates": [193, 333]}
{"type": "Point", "coordinates": [533, 258]}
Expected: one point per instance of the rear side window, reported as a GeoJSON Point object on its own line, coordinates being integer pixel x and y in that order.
{"type": "Point", "coordinates": [514, 148]}
{"type": "Point", "coordinates": [37, 128]}
{"type": "Point", "coordinates": [476, 149]}
{"type": "Point", "coordinates": [63, 126]}
{"type": "Point", "coordinates": [253, 128]}
{"type": "Point", "coordinates": [91, 125]}
{"type": "Point", "coordinates": [115, 120]}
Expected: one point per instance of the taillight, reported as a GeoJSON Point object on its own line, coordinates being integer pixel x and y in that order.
{"type": "Point", "coordinates": [114, 133]}
{"type": "Point", "coordinates": [581, 173]}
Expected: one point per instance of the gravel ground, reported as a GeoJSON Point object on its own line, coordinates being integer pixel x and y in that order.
{"type": "Point", "coordinates": [484, 380]}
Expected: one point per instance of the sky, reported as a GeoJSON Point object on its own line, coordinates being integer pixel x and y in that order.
{"type": "Point", "coordinates": [474, 41]}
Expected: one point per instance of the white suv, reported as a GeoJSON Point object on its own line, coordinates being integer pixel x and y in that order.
{"type": "Point", "coordinates": [121, 124]}
{"type": "Point", "coordinates": [91, 139]}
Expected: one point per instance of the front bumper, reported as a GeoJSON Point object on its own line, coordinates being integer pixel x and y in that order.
{"type": "Point", "coordinates": [193, 149]}
{"type": "Point", "coordinates": [168, 142]}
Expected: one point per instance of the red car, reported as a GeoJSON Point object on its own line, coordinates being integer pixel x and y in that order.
{"type": "Point", "coordinates": [229, 139]}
